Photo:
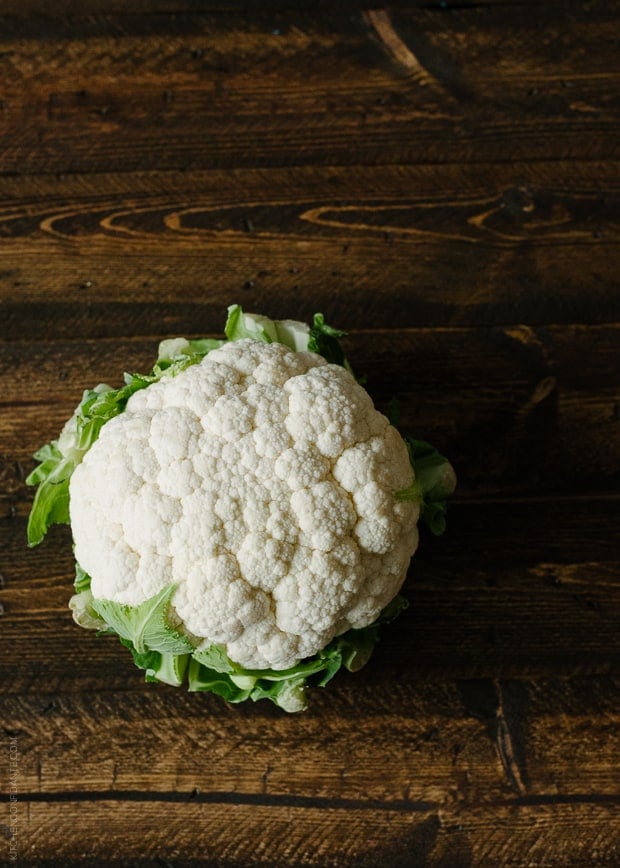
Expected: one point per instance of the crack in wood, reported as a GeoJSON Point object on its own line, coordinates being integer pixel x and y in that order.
{"type": "Point", "coordinates": [506, 744]}
{"type": "Point", "coordinates": [309, 802]}
{"type": "Point", "coordinates": [236, 798]}
{"type": "Point", "coordinates": [500, 706]}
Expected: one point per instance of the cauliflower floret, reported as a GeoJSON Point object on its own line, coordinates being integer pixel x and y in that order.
{"type": "Point", "coordinates": [260, 482]}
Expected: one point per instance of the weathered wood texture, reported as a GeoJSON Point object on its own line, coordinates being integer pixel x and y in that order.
{"type": "Point", "coordinates": [479, 83]}
{"type": "Point", "coordinates": [442, 774]}
{"type": "Point", "coordinates": [442, 180]}
{"type": "Point", "coordinates": [417, 786]}
{"type": "Point", "coordinates": [117, 254]}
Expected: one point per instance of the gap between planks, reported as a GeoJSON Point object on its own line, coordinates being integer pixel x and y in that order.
{"type": "Point", "coordinates": [351, 333]}
{"type": "Point", "coordinates": [309, 802]}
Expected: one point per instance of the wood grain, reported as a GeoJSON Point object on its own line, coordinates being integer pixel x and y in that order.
{"type": "Point", "coordinates": [450, 793]}
{"type": "Point", "coordinates": [141, 834]}
{"type": "Point", "coordinates": [441, 179]}
{"type": "Point", "coordinates": [446, 744]}
{"type": "Point", "coordinates": [146, 253]}
{"type": "Point", "coordinates": [320, 87]}
{"type": "Point", "coordinates": [37, 9]}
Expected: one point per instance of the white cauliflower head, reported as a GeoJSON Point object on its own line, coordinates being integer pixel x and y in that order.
{"type": "Point", "coordinates": [260, 482]}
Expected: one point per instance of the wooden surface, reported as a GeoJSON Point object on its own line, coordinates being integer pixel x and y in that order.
{"type": "Point", "coordinates": [440, 179]}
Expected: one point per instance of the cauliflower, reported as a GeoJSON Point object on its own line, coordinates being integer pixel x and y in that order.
{"type": "Point", "coordinates": [242, 516]}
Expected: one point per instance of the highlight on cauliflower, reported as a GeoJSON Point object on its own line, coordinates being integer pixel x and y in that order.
{"type": "Point", "coordinates": [243, 517]}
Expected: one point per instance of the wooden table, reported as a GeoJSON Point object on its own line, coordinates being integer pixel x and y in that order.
{"type": "Point", "coordinates": [439, 179]}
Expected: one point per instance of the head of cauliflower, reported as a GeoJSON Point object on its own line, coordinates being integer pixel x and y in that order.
{"type": "Point", "coordinates": [260, 483]}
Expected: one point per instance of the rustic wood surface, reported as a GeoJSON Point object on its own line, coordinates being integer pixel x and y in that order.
{"type": "Point", "coordinates": [442, 180]}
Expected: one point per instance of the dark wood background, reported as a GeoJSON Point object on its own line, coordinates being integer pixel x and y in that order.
{"type": "Point", "coordinates": [441, 179]}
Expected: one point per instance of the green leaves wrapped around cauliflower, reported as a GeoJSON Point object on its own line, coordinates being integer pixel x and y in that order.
{"type": "Point", "coordinates": [245, 517]}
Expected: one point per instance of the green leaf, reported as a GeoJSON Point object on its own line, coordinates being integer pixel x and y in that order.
{"type": "Point", "coordinates": [177, 354]}
{"type": "Point", "coordinates": [324, 341]}
{"type": "Point", "coordinates": [434, 482]}
{"type": "Point", "coordinates": [82, 579]}
{"type": "Point", "coordinates": [241, 325]}
{"type": "Point", "coordinates": [286, 692]}
{"type": "Point", "coordinates": [99, 405]}
{"type": "Point", "coordinates": [245, 682]}
{"type": "Point", "coordinates": [83, 613]}
{"type": "Point", "coordinates": [203, 679]}
{"type": "Point", "coordinates": [51, 501]}
{"type": "Point", "coordinates": [289, 694]}
{"type": "Point", "coordinates": [319, 338]}
{"type": "Point", "coordinates": [293, 334]}
{"type": "Point", "coordinates": [169, 668]}
{"type": "Point", "coordinates": [394, 608]}
{"type": "Point", "coordinates": [356, 645]}
{"type": "Point", "coordinates": [214, 657]}
{"type": "Point", "coordinates": [168, 656]}
{"type": "Point", "coordinates": [413, 493]}
{"type": "Point", "coordinates": [49, 456]}
{"type": "Point", "coordinates": [149, 661]}
{"type": "Point", "coordinates": [59, 458]}
{"type": "Point", "coordinates": [146, 626]}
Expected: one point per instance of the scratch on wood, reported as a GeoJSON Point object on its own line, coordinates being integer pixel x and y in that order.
{"type": "Point", "coordinates": [543, 390]}
{"type": "Point", "coordinates": [265, 779]}
{"type": "Point", "coordinates": [524, 334]}
{"type": "Point", "coordinates": [380, 21]}
{"type": "Point", "coordinates": [500, 707]}
{"type": "Point", "coordinates": [505, 745]}
{"type": "Point", "coordinates": [530, 339]}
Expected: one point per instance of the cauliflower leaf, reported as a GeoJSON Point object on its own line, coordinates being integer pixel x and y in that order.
{"type": "Point", "coordinates": [146, 626]}
{"type": "Point", "coordinates": [434, 482]}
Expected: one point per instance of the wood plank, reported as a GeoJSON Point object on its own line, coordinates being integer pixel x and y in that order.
{"type": "Point", "coordinates": [189, 91]}
{"type": "Point", "coordinates": [153, 833]}
{"type": "Point", "coordinates": [507, 765]}
{"type": "Point", "coordinates": [116, 255]}
{"type": "Point", "coordinates": [522, 589]}
{"type": "Point", "coordinates": [521, 391]}
{"type": "Point", "coordinates": [152, 739]}
{"type": "Point", "coordinates": [148, 832]}
{"type": "Point", "coordinates": [34, 9]}
{"type": "Point", "coordinates": [472, 743]}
